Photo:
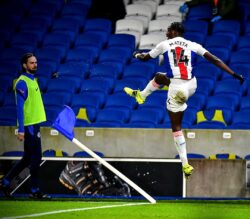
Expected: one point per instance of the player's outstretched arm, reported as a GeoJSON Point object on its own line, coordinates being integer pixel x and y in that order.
{"type": "Point", "coordinates": [141, 56]}
{"type": "Point", "coordinates": [216, 61]}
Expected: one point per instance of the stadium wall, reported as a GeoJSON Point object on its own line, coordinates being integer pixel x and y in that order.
{"type": "Point", "coordinates": [138, 143]}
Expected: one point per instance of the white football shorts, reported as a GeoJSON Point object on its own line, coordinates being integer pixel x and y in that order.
{"type": "Point", "coordinates": [178, 93]}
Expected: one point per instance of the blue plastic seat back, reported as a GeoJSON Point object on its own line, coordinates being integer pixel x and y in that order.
{"type": "Point", "coordinates": [103, 70]}
{"type": "Point", "coordinates": [133, 83]}
{"type": "Point", "coordinates": [85, 154]}
{"type": "Point", "coordinates": [98, 24]}
{"type": "Point", "coordinates": [97, 84]}
{"type": "Point", "coordinates": [199, 12]}
{"type": "Point", "coordinates": [138, 70]}
{"type": "Point", "coordinates": [120, 100]}
{"type": "Point", "coordinates": [8, 116]}
{"type": "Point", "coordinates": [223, 102]}
{"type": "Point", "coordinates": [219, 41]}
{"type": "Point", "coordinates": [63, 85]}
{"type": "Point", "coordinates": [87, 100]}
{"type": "Point", "coordinates": [196, 26]}
{"type": "Point", "coordinates": [122, 40]}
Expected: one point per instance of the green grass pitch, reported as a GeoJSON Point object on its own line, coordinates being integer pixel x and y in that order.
{"type": "Point", "coordinates": [186, 209]}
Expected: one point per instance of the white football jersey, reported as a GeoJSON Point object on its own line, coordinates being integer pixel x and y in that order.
{"type": "Point", "coordinates": [179, 56]}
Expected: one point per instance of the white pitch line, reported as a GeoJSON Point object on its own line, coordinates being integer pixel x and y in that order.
{"type": "Point", "coordinates": [74, 209]}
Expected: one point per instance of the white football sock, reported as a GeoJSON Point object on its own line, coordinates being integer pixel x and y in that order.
{"type": "Point", "coordinates": [151, 87]}
{"type": "Point", "coordinates": [180, 144]}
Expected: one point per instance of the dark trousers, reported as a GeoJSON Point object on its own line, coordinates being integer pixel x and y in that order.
{"type": "Point", "coordinates": [32, 156]}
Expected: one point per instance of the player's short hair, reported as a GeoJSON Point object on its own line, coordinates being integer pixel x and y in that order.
{"type": "Point", "coordinates": [178, 27]}
{"type": "Point", "coordinates": [25, 58]}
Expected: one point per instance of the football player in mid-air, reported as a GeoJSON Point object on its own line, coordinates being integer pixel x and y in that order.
{"type": "Point", "coordinates": [178, 59]}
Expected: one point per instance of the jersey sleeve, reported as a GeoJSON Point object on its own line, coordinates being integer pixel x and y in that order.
{"type": "Point", "coordinates": [198, 49]}
{"type": "Point", "coordinates": [158, 50]}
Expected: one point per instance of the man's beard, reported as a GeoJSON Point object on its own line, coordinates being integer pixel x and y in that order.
{"type": "Point", "coordinates": [33, 71]}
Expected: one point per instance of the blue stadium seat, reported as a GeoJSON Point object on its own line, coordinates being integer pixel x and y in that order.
{"type": "Point", "coordinates": [9, 70]}
{"type": "Point", "coordinates": [207, 71]}
{"type": "Point", "coordinates": [50, 55]}
{"type": "Point", "coordinates": [138, 70]}
{"type": "Point", "coordinates": [30, 40]}
{"type": "Point", "coordinates": [12, 153]}
{"type": "Point", "coordinates": [5, 37]}
{"type": "Point", "coordinates": [90, 39]}
{"type": "Point", "coordinates": [77, 70]}
{"type": "Point", "coordinates": [6, 83]}
{"type": "Point", "coordinates": [85, 154]}
{"type": "Point", "coordinates": [45, 8]}
{"type": "Point", "coordinates": [117, 55]}
{"type": "Point", "coordinates": [9, 100]}
{"type": "Point", "coordinates": [197, 101]}
{"type": "Point", "coordinates": [76, 9]}
{"type": "Point", "coordinates": [71, 24]}
{"type": "Point", "coordinates": [102, 70]}
{"type": "Point", "coordinates": [9, 22]}
{"type": "Point", "coordinates": [195, 37]}
{"type": "Point", "coordinates": [192, 156]}
{"type": "Point", "coordinates": [13, 54]}
{"type": "Point", "coordinates": [147, 118]}
{"type": "Point", "coordinates": [90, 113]}
{"type": "Point", "coordinates": [227, 27]}
{"type": "Point", "coordinates": [56, 99]}
{"type": "Point", "coordinates": [87, 100]}
{"type": "Point", "coordinates": [156, 100]}
{"type": "Point", "coordinates": [189, 118]}
{"type": "Point", "coordinates": [243, 43]}
{"type": "Point", "coordinates": [214, 121]}
{"type": "Point", "coordinates": [225, 156]}
{"type": "Point", "coordinates": [98, 24]}
{"type": "Point", "coordinates": [240, 69]}
{"type": "Point", "coordinates": [8, 116]}
{"type": "Point", "coordinates": [120, 101]}
{"type": "Point", "coordinates": [240, 57]}
{"type": "Point", "coordinates": [134, 83]}
{"type": "Point", "coordinates": [230, 87]}
{"type": "Point", "coordinates": [2, 94]}
{"type": "Point", "coordinates": [241, 119]}
{"type": "Point", "coordinates": [87, 3]}
{"type": "Point", "coordinates": [45, 70]}
{"type": "Point", "coordinates": [14, 7]}
{"type": "Point", "coordinates": [196, 26]}
{"type": "Point", "coordinates": [57, 39]}
{"type": "Point", "coordinates": [205, 86]}
{"type": "Point", "coordinates": [54, 153]}
{"type": "Point", "coordinates": [245, 103]}
{"type": "Point", "coordinates": [219, 41]}
{"type": "Point", "coordinates": [199, 12]}
{"type": "Point", "coordinates": [122, 40]}
{"type": "Point", "coordinates": [222, 53]}
{"type": "Point", "coordinates": [97, 84]}
{"type": "Point", "coordinates": [42, 83]}
{"type": "Point", "coordinates": [223, 102]}
{"type": "Point", "coordinates": [84, 55]}
{"type": "Point", "coordinates": [36, 23]}
{"type": "Point", "coordinates": [247, 29]}
{"type": "Point", "coordinates": [112, 116]}
{"type": "Point", "coordinates": [58, 85]}
{"type": "Point", "coordinates": [51, 115]}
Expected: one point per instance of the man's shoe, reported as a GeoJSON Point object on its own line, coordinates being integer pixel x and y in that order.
{"type": "Point", "coordinates": [187, 170]}
{"type": "Point", "coordinates": [6, 190]}
{"type": "Point", "coordinates": [39, 195]}
{"type": "Point", "coordinates": [136, 94]}
{"type": "Point", "coordinates": [75, 176]}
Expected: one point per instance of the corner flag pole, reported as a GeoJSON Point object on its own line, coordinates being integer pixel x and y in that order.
{"type": "Point", "coordinates": [65, 123]}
